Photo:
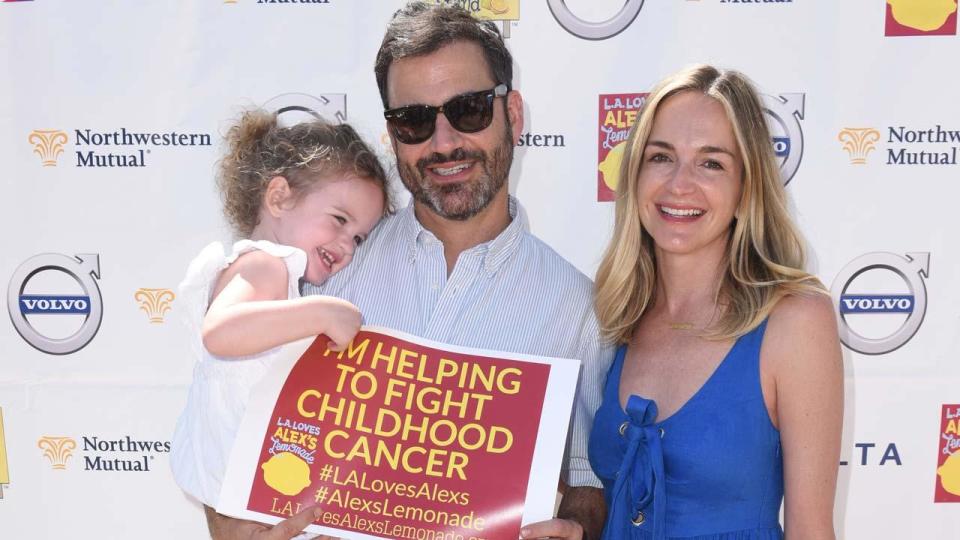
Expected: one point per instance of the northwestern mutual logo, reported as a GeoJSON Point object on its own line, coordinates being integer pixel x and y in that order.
{"type": "Point", "coordinates": [124, 454]}
{"type": "Point", "coordinates": [118, 148]}
{"type": "Point", "coordinates": [858, 142]}
{"type": "Point", "coordinates": [57, 450]}
{"type": "Point", "coordinates": [48, 144]}
{"type": "Point", "coordinates": [154, 302]}
{"type": "Point", "coordinates": [904, 145]}
{"type": "Point", "coordinates": [921, 18]}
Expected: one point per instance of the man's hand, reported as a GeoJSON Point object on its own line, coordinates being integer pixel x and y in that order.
{"type": "Point", "coordinates": [580, 517]}
{"type": "Point", "coordinates": [228, 528]}
{"type": "Point", "coordinates": [553, 528]}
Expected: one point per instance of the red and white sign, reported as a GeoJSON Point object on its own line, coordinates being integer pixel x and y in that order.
{"type": "Point", "coordinates": [399, 437]}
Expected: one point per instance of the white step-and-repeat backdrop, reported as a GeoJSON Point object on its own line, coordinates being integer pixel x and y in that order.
{"type": "Point", "coordinates": [111, 115]}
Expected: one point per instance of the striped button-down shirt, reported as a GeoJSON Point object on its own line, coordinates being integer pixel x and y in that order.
{"type": "Point", "coordinates": [511, 294]}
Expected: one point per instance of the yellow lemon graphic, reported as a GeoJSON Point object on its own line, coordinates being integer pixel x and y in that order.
{"type": "Point", "coordinates": [610, 166]}
{"type": "Point", "coordinates": [925, 15]}
{"type": "Point", "coordinates": [949, 474]}
{"type": "Point", "coordinates": [286, 473]}
{"type": "Point", "coordinates": [496, 6]}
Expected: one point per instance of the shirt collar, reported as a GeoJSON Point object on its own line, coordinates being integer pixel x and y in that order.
{"type": "Point", "coordinates": [494, 253]}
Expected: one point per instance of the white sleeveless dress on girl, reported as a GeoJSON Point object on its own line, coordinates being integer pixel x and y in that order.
{"type": "Point", "coordinates": [218, 395]}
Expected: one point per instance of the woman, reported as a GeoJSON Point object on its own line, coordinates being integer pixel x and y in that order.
{"type": "Point", "coordinates": [725, 396]}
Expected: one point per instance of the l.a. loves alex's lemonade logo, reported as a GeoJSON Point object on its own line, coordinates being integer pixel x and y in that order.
{"type": "Point", "coordinates": [618, 113]}
{"type": "Point", "coordinates": [4, 470]}
{"type": "Point", "coordinates": [488, 10]}
{"type": "Point", "coordinates": [948, 457]}
{"type": "Point", "coordinates": [921, 18]}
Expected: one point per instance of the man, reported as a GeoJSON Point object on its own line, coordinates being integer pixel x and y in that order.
{"type": "Point", "coordinates": [458, 265]}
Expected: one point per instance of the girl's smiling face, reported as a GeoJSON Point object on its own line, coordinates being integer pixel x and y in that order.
{"type": "Point", "coordinates": [329, 222]}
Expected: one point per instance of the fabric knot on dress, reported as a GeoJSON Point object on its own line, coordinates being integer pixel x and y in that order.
{"type": "Point", "coordinates": [639, 493]}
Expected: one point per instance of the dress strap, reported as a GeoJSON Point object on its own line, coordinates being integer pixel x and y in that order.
{"type": "Point", "coordinates": [612, 387]}
{"type": "Point", "coordinates": [639, 492]}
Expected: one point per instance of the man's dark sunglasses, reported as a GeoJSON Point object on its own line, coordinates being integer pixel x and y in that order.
{"type": "Point", "coordinates": [467, 113]}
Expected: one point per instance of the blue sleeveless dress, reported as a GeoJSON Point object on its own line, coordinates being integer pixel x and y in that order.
{"type": "Point", "coordinates": [711, 471]}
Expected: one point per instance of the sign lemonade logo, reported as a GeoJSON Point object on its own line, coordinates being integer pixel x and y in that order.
{"type": "Point", "coordinates": [903, 310]}
{"type": "Point", "coordinates": [28, 309]}
{"type": "Point", "coordinates": [4, 470]}
{"type": "Point", "coordinates": [125, 454]}
{"type": "Point", "coordinates": [921, 18]}
{"type": "Point", "coordinates": [118, 148]}
{"type": "Point", "coordinates": [858, 142]}
{"type": "Point", "coordinates": [947, 488]}
{"type": "Point", "coordinates": [57, 450]}
{"type": "Point", "coordinates": [154, 302]}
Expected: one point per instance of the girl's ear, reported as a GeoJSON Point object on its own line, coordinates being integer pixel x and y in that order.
{"type": "Point", "coordinates": [276, 195]}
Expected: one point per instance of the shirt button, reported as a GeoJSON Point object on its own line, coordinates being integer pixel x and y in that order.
{"type": "Point", "coordinates": [623, 428]}
{"type": "Point", "coordinates": [639, 519]}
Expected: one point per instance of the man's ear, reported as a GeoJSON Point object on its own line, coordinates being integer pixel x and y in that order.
{"type": "Point", "coordinates": [515, 113]}
{"type": "Point", "coordinates": [276, 196]}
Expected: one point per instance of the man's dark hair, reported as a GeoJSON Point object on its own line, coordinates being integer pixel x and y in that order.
{"type": "Point", "coordinates": [420, 29]}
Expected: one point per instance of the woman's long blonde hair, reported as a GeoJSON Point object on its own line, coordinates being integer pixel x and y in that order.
{"type": "Point", "coordinates": [765, 254]}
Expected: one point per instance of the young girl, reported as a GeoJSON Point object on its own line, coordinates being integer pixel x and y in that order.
{"type": "Point", "coordinates": [302, 198]}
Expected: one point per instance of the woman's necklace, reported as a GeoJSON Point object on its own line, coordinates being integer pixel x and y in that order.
{"type": "Point", "coordinates": [680, 325]}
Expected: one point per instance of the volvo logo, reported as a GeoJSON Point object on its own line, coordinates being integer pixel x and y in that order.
{"type": "Point", "coordinates": [912, 304]}
{"type": "Point", "coordinates": [88, 307]}
{"type": "Point", "coordinates": [295, 108]}
{"type": "Point", "coordinates": [785, 112]}
{"type": "Point", "coordinates": [595, 30]}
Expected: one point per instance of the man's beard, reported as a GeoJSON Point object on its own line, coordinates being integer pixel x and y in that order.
{"type": "Point", "coordinates": [460, 201]}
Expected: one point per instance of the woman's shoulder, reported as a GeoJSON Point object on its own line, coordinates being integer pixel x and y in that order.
{"type": "Point", "coordinates": [802, 327]}
{"type": "Point", "coordinates": [803, 309]}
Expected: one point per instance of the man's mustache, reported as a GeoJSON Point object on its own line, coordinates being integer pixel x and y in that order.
{"type": "Point", "coordinates": [457, 155]}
